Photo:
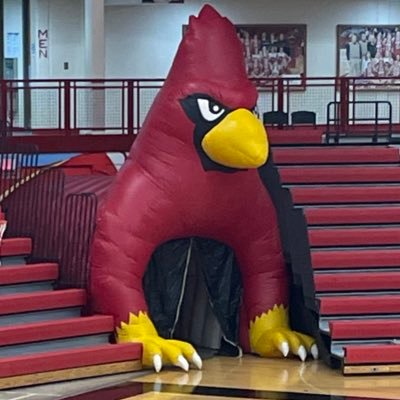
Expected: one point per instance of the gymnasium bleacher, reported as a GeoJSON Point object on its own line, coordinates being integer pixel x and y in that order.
{"type": "Point", "coordinates": [350, 196]}
{"type": "Point", "coordinates": [347, 187]}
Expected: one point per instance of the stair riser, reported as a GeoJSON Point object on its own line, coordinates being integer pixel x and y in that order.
{"type": "Point", "coordinates": [353, 243]}
{"type": "Point", "coordinates": [346, 195]}
{"type": "Point", "coordinates": [380, 215]}
{"type": "Point", "coordinates": [71, 358]}
{"type": "Point", "coordinates": [364, 330]}
{"type": "Point", "coordinates": [346, 174]}
{"type": "Point", "coordinates": [334, 155]}
{"type": "Point", "coordinates": [54, 330]}
{"type": "Point", "coordinates": [354, 224]}
{"type": "Point", "coordinates": [301, 202]}
{"type": "Point", "coordinates": [376, 354]}
{"type": "Point", "coordinates": [354, 268]}
{"type": "Point", "coordinates": [312, 137]}
{"type": "Point", "coordinates": [51, 345]}
{"type": "Point", "coordinates": [27, 274]}
{"type": "Point", "coordinates": [325, 320]}
{"type": "Point", "coordinates": [361, 311]}
{"type": "Point", "coordinates": [339, 183]}
{"type": "Point", "coordinates": [357, 282]}
{"type": "Point", "coordinates": [337, 347]}
{"type": "Point", "coordinates": [13, 247]}
{"type": "Point", "coordinates": [26, 288]}
{"type": "Point", "coordinates": [39, 301]}
{"type": "Point", "coordinates": [365, 292]}
{"type": "Point", "coordinates": [39, 316]}
{"type": "Point", "coordinates": [291, 183]}
{"type": "Point", "coordinates": [10, 261]}
{"type": "Point", "coordinates": [355, 260]}
{"type": "Point", "coordinates": [337, 291]}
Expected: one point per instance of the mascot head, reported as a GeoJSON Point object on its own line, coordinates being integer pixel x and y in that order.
{"type": "Point", "coordinates": [207, 99]}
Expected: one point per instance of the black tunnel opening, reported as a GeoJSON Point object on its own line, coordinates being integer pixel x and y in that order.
{"type": "Point", "coordinates": [193, 289]}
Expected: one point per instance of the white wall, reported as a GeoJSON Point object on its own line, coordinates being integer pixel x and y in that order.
{"type": "Point", "coordinates": [66, 42]}
{"type": "Point", "coordinates": [142, 40]}
{"type": "Point", "coordinates": [64, 21]}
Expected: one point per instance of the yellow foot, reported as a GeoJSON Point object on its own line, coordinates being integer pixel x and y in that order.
{"type": "Point", "coordinates": [156, 350]}
{"type": "Point", "coordinates": [271, 336]}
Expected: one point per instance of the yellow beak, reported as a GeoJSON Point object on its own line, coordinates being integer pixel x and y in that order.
{"type": "Point", "coordinates": [238, 141]}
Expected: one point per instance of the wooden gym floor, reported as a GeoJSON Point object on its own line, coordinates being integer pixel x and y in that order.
{"type": "Point", "coordinates": [251, 378]}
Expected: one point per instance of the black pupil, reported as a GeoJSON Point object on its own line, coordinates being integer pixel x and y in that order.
{"type": "Point", "coordinates": [214, 107]}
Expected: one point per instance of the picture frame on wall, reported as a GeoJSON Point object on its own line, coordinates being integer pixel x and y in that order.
{"type": "Point", "coordinates": [273, 50]}
{"type": "Point", "coordinates": [369, 51]}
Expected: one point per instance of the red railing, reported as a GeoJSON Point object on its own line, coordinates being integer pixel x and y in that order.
{"type": "Point", "coordinates": [119, 106]}
{"type": "Point", "coordinates": [75, 106]}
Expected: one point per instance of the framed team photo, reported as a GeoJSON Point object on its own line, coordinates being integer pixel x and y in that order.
{"type": "Point", "coordinates": [272, 51]}
{"type": "Point", "coordinates": [369, 51]}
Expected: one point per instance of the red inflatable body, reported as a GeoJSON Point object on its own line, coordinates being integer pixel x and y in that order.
{"type": "Point", "coordinates": [168, 188]}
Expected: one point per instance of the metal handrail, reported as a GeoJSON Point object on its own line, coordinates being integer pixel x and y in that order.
{"type": "Point", "coordinates": [336, 118]}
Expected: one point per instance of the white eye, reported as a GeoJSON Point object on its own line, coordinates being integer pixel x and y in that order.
{"type": "Point", "coordinates": [210, 110]}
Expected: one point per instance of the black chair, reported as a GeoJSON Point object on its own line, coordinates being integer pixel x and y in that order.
{"type": "Point", "coordinates": [304, 118]}
{"type": "Point", "coordinates": [279, 118]}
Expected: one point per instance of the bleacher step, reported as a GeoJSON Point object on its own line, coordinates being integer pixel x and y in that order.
{"type": "Point", "coordinates": [360, 305]}
{"type": "Point", "coordinates": [40, 316]}
{"type": "Point", "coordinates": [342, 174]}
{"type": "Point", "coordinates": [350, 197]}
{"type": "Point", "coordinates": [334, 237]}
{"type": "Point", "coordinates": [39, 301]}
{"type": "Point", "coordinates": [68, 359]}
{"type": "Point", "coordinates": [14, 250]}
{"type": "Point", "coordinates": [325, 320]}
{"type": "Point", "coordinates": [375, 354]}
{"type": "Point", "coordinates": [15, 247]}
{"type": "Point", "coordinates": [364, 329]}
{"type": "Point", "coordinates": [346, 195]}
{"type": "Point", "coordinates": [26, 288]}
{"type": "Point", "coordinates": [28, 273]}
{"type": "Point", "coordinates": [67, 343]}
{"type": "Point", "coordinates": [280, 137]}
{"type": "Point", "coordinates": [31, 338]}
{"type": "Point", "coordinates": [358, 281]}
{"type": "Point", "coordinates": [58, 329]}
{"type": "Point", "coordinates": [352, 215]}
{"type": "Point", "coordinates": [335, 155]}
{"type": "Point", "coordinates": [355, 259]}
{"type": "Point", "coordinates": [27, 278]}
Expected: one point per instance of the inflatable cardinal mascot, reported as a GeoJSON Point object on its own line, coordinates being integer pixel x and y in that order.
{"type": "Point", "coordinates": [194, 172]}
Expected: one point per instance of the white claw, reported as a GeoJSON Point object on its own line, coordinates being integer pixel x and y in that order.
{"type": "Point", "coordinates": [182, 363]}
{"type": "Point", "coordinates": [284, 348]}
{"type": "Point", "coordinates": [197, 361]}
{"type": "Point", "coordinates": [302, 353]}
{"type": "Point", "coordinates": [157, 362]}
{"type": "Point", "coordinates": [314, 352]}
